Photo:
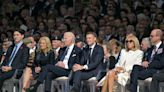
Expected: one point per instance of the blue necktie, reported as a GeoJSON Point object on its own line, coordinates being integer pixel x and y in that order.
{"type": "Point", "coordinates": [64, 54]}
{"type": "Point", "coordinates": [12, 55]}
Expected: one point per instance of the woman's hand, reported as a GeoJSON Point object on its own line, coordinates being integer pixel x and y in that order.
{"type": "Point", "coordinates": [37, 69]}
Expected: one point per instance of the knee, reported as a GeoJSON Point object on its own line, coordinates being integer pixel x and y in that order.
{"type": "Point", "coordinates": [155, 77]}
{"type": "Point", "coordinates": [111, 73]}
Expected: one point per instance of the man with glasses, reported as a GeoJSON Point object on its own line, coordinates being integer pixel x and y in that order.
{"type": "Point", "coordinates": [152, 62]}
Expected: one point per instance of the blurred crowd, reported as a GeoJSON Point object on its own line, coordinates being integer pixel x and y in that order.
{"type": "Point", "coordinates": [108, 18]}
{"type": "Point", "coordinates": [112, 21]}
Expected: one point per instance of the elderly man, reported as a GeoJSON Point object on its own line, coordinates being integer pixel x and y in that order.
{"type": "Point", "coordinates": [65, 62]}
{"type": "Point", "coordinates": [152, 62]}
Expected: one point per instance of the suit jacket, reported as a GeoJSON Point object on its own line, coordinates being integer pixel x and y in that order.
{"type": "Point", "coordinates": [96, 61]}
{"type": "Point", "coordinates": [158, 60]}
{"type": "Point", "coordinates": [42, 59]}
{"type": "Point", "coordinates": [21, 58]}
{"type": "Point", "coordinates": [74, 57]}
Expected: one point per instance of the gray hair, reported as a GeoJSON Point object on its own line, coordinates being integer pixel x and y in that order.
{"type": "Point", "coordinates": [147, 41]}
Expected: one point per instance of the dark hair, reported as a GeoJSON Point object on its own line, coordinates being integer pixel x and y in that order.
{"type": "Point", "coordinates": [20, 31]}
{"type": "Point", "coordinates": [93, 33]}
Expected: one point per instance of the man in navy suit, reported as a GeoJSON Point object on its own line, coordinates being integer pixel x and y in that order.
{"type": "Point", "coordinates": [90, 64]}
{"type": "Point", "coordinates": [16, 58]}
{"type": "Point", "coordinates": [152, 63]}
{"type": "Point", "coordinates": [66, 60]}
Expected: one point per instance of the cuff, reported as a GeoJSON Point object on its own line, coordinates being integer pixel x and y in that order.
{"type": "Point", "coordinates": [85, 67]}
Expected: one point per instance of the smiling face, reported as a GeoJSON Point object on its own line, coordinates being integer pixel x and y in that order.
{"type": "Point", "coordinates": [42, 44]}
{"type": "Point", "coordinates": [17, 37]}
{"type": "Point", "coordinates": [90, 39]}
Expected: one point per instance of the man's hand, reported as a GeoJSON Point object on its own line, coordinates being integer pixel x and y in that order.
{"type": "Point", "coordinates": [145, 64]}
{"type": "Point", "coordinates": [77, 67]}
{"type": "Point", "coordinates": [6, 68]}
{"type": "Point", "coordinates": [60, 64]}
{"type": "Point", "coordinates": [37, 69]}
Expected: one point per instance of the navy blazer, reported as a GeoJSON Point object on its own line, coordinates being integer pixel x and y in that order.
{"type": "Point", "coordinates": [74, 57]}
{"type": "Point", "coordinates": [21, 58]}
{"type": "Point", "coordinates": [96, 60]}
{"type": "Point", "coordinates": [158, 60]}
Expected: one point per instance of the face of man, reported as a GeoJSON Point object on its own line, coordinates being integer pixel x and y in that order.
{"type": "Point", "coordinates": [56, 44]}
{"type": "Point", "coordinates": [33, 42]}
{"type": "Point", "coordinates": [154, 38]}
{"type": "Point", "coordinates": [17, 37]}
{"type": "Point", "coordinates": [90, 39]}
{"type": "Point", "coordinates": [68, 39]}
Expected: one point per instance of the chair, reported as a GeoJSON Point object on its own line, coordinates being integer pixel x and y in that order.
{"type": "Point", "coordinates": [161, 87]}
{"type": "Point", "coordinates": [61, 83]}
{"type": "Point", "coordinates": [12, 84]}
{"type": "Point", "coordinates": [143, 86]}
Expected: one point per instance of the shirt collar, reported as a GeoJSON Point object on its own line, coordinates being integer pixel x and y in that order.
{"type": "Point", "coordinates": [158, 44]}
{"type": "Point", "coordinates": [19, 44]}
{"type": "Point", "coordinates": [57, 50]}
{"type": "Point", "coordinates": [92, 46]}
{"type": "Point", "coordinates": [71, 46]}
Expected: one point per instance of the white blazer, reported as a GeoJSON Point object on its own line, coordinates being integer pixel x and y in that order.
{"type": "Point", "coordinates": [127, 60]}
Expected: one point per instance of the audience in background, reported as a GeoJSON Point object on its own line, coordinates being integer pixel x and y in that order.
{"type": "Point", "coordinates": [109, 19]}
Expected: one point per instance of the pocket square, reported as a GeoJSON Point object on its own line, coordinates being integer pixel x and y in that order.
{"type": "Point", "coordinates": [73, 55]}
{"type": "Point", "coordinates": [159, 51]}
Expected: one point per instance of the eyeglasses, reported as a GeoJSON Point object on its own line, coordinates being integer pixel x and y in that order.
{"type": "Point", "coordinates": [129, 41]}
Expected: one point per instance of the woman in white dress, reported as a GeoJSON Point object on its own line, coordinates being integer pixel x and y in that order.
{"type": "Point", "coordinates": [129, 56]}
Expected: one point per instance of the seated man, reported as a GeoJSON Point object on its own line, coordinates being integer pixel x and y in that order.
{"type": "Point", "coordinates": [63, 66]}
{"type": "Point", "coordinates": [16, 58]}
{"type": "Point", "coordinates": [152, 63]}
{"type": "Point", "coordinates": [91, 62]}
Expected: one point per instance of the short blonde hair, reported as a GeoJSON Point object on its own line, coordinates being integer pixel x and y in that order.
{"type": "Point", "coordinates": [48, 43]}
{"type": "Point", "coordinates": [116, 43]}
{"type": "Point", "coordinates": [135, 41]}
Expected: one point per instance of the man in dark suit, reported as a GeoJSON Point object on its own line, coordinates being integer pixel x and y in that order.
{"type": "Point", "coordinates": [90, 64]}
{"type": "Point", "coordinates": [16, 58]}
{"type": "Point", "coordinates": [66, 60]}
{"type": "Point", "coordinates": [152, 63]}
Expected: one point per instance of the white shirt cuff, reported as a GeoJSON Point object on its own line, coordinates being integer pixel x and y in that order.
{"type": "Point", "coordinates": [66, 66]}
{"type": "Point", "coordinates": [85, 67]}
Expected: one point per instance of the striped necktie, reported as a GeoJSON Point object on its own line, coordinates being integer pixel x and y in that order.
{"type": "Point", "coordinates": [12, 55]}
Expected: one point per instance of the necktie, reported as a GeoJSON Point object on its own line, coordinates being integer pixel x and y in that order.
{"type": "Point", "coordinates": [12, 55]}
{"type": "Point", "coordinates": [89, 55]}
{"type": "Point", "coordinates": [152, 54]}
{"type": "Point", "coordinates": [64, 54]}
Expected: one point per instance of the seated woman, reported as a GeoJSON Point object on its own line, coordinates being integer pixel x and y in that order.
{"type": "Point", "coordinates": [42, 57]}
{"type": "Point", "coordinates": [129, 56]}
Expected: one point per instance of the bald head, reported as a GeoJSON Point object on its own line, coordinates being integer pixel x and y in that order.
{"type": "Point", "coordinates": [156, 36]}
{"type": "Point", "coordinates": [69, 38]}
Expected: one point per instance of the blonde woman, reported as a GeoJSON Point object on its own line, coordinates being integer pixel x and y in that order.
{"type": "Point", "coordinates": [115, 47]}
{"type": "Point", "coordinates": [43, 56]}
{"type": "Point", "coordinates": [129, 56]}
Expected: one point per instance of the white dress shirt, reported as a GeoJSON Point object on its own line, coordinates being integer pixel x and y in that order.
{"type": "Point", "coordinates": [67, 56]}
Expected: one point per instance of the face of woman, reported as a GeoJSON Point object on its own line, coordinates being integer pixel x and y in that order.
{"type": "Point", "coordinates": [43, 44]}
{"type": "Point", "coordinates": [130, 44]}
